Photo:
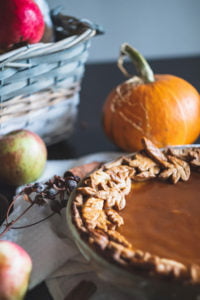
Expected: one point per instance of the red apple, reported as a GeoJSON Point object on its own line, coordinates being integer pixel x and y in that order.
{"type": "Point", "coordinates": [21, 21]}
{"type": "Point", "coordinates": [15, 269]}
{"type": "Point", "coordinates": [48, 35]}
{"type": "Point", "coordinates": [23, 156]}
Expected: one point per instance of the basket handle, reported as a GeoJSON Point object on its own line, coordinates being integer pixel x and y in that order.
{"type": "Point", "coordinates": [87, 30]}
{"type": "Point", "coordinates": [98, 28]}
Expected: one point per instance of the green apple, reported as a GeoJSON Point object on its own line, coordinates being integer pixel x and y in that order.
{"type": "Point", "coordinates": [15, 270]}
{"type": "Point", "coordinates": [23, 156]}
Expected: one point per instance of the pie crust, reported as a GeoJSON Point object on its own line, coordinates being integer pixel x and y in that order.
{"type": "Point", "coordinates": [101, 195]}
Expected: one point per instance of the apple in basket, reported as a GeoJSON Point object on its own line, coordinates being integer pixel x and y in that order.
{"type": "Point", "coordinates": [23, 155]}
{"type": "Point", "coordinates": [21, 22]}
{"type": "Point", "coordinates": [15, 269]}
{"type": "Point", "coordinates": [48, 35]}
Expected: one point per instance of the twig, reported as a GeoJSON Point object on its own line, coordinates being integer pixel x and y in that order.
{"type": "Point", "coordinates": [9, 225]}
{"type": "Point", "coordinates": [10, 207]}
{"type": "Point", "coordinates": [52, 193]}
{"type": "Point", "coordinates": [35, 223]}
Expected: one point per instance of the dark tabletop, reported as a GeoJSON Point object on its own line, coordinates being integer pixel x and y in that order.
{"type": "Point", "coordinates": [88, 136]}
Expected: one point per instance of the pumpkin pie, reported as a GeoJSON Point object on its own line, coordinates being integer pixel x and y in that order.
{"type": "Point", "coordinates": [142, 212]}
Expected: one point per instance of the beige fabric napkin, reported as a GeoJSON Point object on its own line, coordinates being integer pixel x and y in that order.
{"type": "Point", "coordinates": [55, 257]}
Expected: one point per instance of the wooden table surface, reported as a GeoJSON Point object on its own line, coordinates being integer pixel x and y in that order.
{"type": "Point", "coordinates": [88, 136]}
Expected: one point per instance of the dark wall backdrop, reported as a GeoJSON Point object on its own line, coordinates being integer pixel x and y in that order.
{"type": "Point", "coordinates": [157, 28]}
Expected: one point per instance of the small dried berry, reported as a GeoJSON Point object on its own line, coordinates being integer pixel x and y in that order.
{"type": "Point", "coordinates": [77, 178]}
{"type": "Point", "coordinates": [71, 184]}
{"type": "Point", "coordinates": [51, 193]}
{"type": "Point", "coordinates": [39, 187]}
{"type": "Point", "coordinates": [68, 174]}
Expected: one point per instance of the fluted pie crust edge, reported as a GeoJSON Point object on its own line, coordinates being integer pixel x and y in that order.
{"type": "Point", "coordinates": [101, 196]}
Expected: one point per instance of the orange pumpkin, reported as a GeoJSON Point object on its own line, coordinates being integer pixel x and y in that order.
{"type": "Point", "coordinates": [162, 108]}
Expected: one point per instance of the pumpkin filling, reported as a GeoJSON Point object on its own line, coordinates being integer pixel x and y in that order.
{"type": "Point", "coordinates": [164, 219]}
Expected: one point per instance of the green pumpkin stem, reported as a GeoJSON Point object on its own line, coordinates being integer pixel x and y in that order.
{"type": "Point", "coordinates": [142, 67]}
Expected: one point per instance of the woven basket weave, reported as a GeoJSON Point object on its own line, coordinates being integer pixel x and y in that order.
{"type": "Point", "coordinates": [40, 83]}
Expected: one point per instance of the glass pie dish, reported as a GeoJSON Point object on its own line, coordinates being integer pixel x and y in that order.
{"type": "Point", "coordinates": [145, 284]}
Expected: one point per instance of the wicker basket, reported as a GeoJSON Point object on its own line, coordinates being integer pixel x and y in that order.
{"type": "Point", "coordinates": [40, 83]}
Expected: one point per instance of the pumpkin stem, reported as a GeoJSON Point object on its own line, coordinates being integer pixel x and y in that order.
{"type": "Point", "coordinates": [143, 68]}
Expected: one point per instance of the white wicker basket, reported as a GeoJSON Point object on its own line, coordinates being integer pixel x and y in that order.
{"type": "Point", "coordinates": [40, 83]}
